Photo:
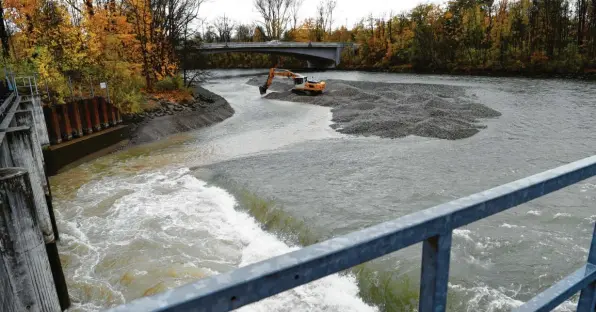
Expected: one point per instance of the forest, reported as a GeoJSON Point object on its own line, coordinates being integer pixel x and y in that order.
{"type": "Point", "coordinates": [141, 46]}
{"type": "Point", "coordinates": [504, 37]}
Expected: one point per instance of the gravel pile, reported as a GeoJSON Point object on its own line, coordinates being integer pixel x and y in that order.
{"type": "Point", "coordinates": [392, 110]}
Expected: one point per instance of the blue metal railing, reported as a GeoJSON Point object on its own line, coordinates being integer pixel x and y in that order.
{"type": "Point", "coordinates": [433, 227]}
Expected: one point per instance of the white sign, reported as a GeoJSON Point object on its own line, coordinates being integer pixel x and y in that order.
{"type": "Point", "coordinates": [102, 85]}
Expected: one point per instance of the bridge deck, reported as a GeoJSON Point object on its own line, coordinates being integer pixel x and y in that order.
{"type": "Point", "coordinates": [252, 45]}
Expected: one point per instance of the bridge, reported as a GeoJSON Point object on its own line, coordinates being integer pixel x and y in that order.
{"type": "Point", "coordinates": [318, 54]}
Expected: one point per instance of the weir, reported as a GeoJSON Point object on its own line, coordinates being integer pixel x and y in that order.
{"type": "Point", "coordinates": [432, 227]}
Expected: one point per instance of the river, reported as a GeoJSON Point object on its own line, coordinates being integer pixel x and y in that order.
{"type": "Point", "coordinates": [275, 176]}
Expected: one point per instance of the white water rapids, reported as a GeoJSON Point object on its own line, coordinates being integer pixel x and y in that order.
{"type": "Point", "coordinates": [166, 228]}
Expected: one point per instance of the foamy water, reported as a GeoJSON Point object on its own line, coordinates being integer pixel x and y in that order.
{"type": "Point", "coordinates": [126, 237]}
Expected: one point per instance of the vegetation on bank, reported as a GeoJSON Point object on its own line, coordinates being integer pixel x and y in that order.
{"type": "Point", "coordinates": [73, 45]}
{"type": "Point", "coordinates": [460, 36]}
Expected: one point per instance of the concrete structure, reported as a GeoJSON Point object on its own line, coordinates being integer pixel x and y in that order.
{"type": "Point", "coordinates": [318, 54]}
{"type": "Point", "coordinates": [31, 272]}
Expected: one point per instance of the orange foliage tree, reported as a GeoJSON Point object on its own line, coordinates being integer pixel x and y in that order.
{"type": "Point", "coordinates": [128, 43]}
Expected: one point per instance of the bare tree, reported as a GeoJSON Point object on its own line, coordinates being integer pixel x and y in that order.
{"type": "Point", "coordinates": [295, 11]}
{"type": "Point", "coordinates": [224, 26]}
{"type": "Point", "coordinates": [330, 6]}
{"type": "Point", "coordinates": [321, 22]}
{"type": "Point", "coordinates": [275, 14]}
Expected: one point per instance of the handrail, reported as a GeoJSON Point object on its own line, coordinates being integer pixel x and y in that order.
{"type": "Point", "coordinates": [6, 102]}
{"type": "Point", "coordinates": [433, 227]}
{"type": "Point", "coordinates": [8, 109]}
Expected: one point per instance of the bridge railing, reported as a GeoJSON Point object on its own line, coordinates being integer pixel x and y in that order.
{"type": "Point", "coordinates": [282, 44]}
{"type": "Point", "coordinates": [433, 227]}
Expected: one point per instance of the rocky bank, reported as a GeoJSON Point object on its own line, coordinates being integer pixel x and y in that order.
{"type": "Point", "coordinates": [170, 118]}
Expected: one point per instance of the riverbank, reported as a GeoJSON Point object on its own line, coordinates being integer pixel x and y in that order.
{"type": "Point", "coordinates": [168, 118]}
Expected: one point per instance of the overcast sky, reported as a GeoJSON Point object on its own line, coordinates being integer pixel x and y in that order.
{"type": "Point", "coordinates": [350, 11]}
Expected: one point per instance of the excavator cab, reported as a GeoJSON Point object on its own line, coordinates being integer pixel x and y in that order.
{"type": "Point", "coordinates": [301, 83]}
{"type": "Point", "coordinates": [299, 80]}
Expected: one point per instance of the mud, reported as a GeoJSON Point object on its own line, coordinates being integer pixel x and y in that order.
{"type": "Point", "coordinates": [393, 110]}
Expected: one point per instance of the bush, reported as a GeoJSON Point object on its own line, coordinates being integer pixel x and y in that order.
{"type": "Point", "coordinates": [170, 84]}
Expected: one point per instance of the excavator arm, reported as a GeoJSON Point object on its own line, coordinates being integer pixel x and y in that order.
{"type": "Point", "coordinates": [274, 72]}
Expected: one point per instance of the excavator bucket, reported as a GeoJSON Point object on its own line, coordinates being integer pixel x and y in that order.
{"type": "Point", "coordinates": [262, 89]}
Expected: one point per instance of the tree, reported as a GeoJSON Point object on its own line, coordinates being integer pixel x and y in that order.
{"type": "Point", "coordinates": [330, 6]}
{"type": "Point", "coordinates": [224, 27]}
{"type": "Point", "coordinates": [3, 33]}
{"type": "Point", "coordinates": [275, 15]}
{"type": "Point", "coordinates": [244, 33]}
{"type": "Point", "coordinates": [321, 22]}
{"type": "Point", "coordinates": [211, 35]}
{"type": "Point", "coordinates": [296, 6]}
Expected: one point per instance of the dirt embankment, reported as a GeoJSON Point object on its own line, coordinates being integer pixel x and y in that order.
{"type": "Point", "coordinates": [393, 110]}
{"type": "Point", "coordinates": [169, 118]}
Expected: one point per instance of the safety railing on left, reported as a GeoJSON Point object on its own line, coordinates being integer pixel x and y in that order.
{"type": "Point", "coordinates": [433, 227]}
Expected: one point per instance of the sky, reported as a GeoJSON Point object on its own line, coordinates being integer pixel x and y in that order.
{"type": "Point", "coordinates": [347, 11]}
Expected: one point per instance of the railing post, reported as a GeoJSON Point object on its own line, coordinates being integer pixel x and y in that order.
{"type": "Point", "coordinates": [30, 87]}
{"type": "Point", "coordinates": [23, 250]}
{"type": "Point", "coordinates": [436, 254]}
{"type": "Point", "coordinates": [35, 83]}
{"type": "Point", "coordinates": [587, 298]}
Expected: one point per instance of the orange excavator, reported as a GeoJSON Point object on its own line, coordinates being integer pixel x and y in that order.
{"type": "Point", "coordinates": [301, 83]}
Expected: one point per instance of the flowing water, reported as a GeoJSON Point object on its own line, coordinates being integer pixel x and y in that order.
{"type": "Point", "coordinates": [276, 176]}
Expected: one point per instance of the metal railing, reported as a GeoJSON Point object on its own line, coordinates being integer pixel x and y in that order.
{"type": "Point", "coordinates": [433, 227]}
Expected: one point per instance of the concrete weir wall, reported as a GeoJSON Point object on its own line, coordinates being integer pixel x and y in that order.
{"type": "Point", "coordinates": [31, 276]}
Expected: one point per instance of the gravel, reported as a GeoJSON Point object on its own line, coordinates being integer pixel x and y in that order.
{"type": "Point", "coordinates": [392, 110]}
